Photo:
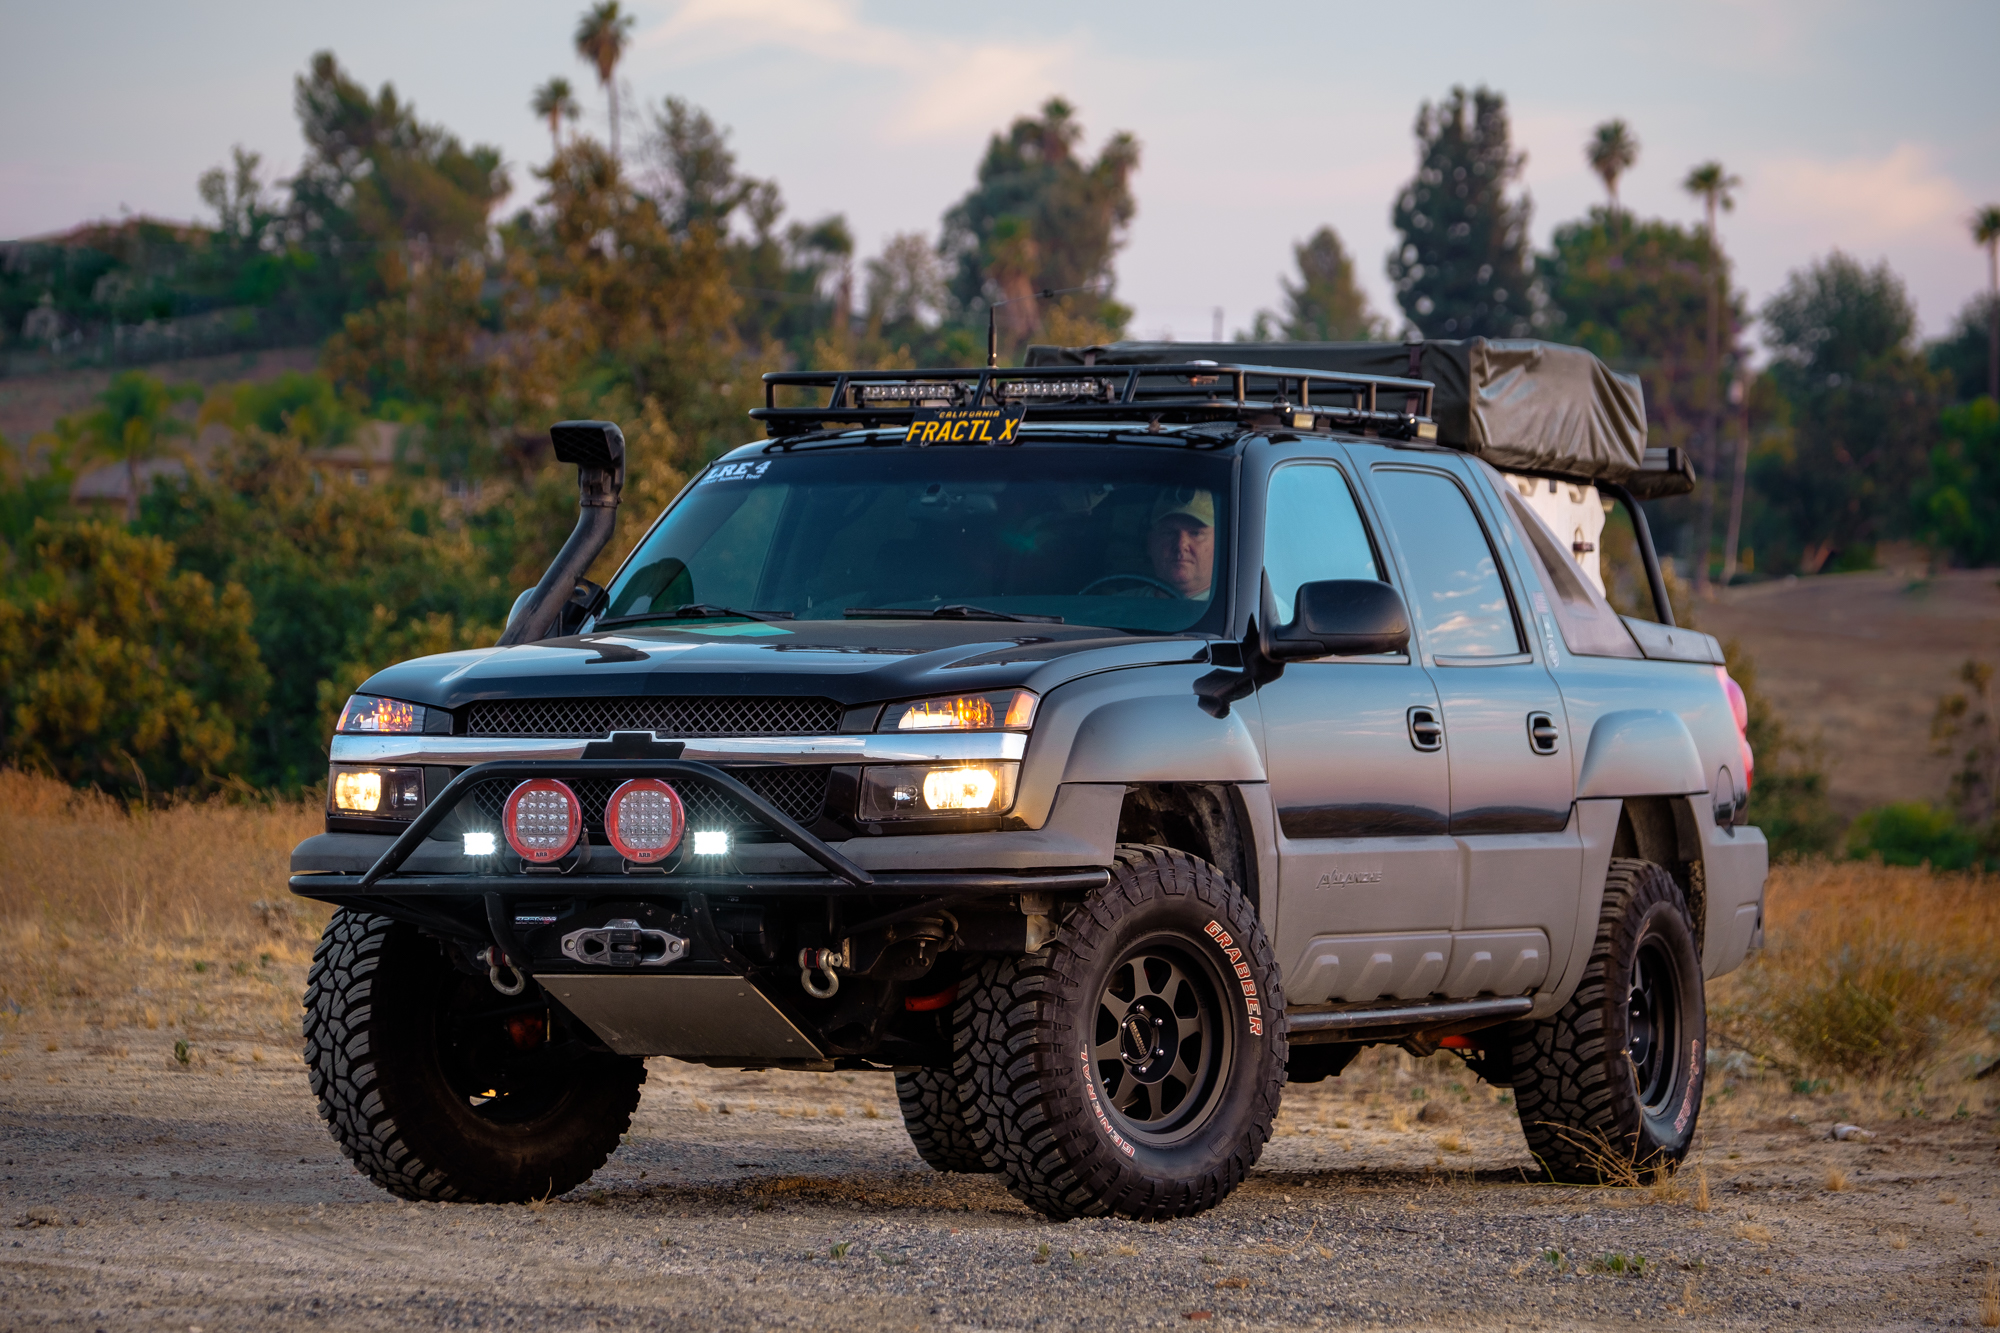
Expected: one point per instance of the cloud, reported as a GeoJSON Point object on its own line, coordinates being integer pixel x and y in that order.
{"type": "Point", "coordinates": [1863, 201]}
{"type": "Point", "coordinates": [937, 86]}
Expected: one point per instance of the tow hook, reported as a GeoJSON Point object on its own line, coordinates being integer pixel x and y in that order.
{"type": "Point", "coordinates": [823, 962]}
{"type": "Point", "coordinates": [495, 964]}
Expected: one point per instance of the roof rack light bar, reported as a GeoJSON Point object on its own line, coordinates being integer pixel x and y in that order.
{"type": "Point", "coordinates": [1189, 392]}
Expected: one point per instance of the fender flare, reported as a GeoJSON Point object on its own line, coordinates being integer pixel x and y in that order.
{"type": "Point", "coordinates": [1640, 752]}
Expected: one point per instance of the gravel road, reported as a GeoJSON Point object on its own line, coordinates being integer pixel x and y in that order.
{"type": "Point", "coordinates": [144, 1194]}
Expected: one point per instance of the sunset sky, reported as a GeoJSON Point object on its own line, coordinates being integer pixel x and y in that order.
{"type": "Point", "coordinates": [1872, 128]}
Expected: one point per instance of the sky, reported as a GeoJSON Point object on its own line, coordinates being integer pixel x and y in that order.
{"type": "Point", "coordinates": [1872, 128]}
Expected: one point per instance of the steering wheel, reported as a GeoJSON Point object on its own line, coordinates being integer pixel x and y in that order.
{"type": "Point", "coordinates": [1166, 590]}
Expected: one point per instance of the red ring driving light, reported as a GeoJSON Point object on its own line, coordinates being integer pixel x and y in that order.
{"type": "Point", "coordinates": [542, 820]}
{"type": "Point", "coordinates": [644, 820]}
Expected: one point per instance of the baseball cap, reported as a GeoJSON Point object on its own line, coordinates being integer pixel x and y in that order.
{"type": "Point", "coordinates": [1198, 505]}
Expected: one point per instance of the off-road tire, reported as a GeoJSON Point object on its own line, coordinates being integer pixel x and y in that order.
{"type": "Point", "coordinates": [929, 1098]}
{"type": "Point", "coordinates": [1578, 1075]}
{"type": "Point", "coordinates": [1040, 1095]}
{"type": "Point", "coordinates": [372, 1020]}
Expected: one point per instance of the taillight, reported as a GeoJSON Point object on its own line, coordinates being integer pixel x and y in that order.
{"type": "Point", "coordinates": [1739, 708]}
{"type": "Point", "coordinates": [644, 820]}
{"type": "Point", "coordinates": [542, 820]}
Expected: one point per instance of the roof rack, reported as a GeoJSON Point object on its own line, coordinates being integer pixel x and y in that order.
{"type": "Point", "coordinates": [1195, 391]}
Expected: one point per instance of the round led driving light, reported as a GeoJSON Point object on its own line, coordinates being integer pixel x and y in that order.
{"type": "Point", "coordinates": [644, 820]}
{"type": "Point", "coordinates": [542, 820]}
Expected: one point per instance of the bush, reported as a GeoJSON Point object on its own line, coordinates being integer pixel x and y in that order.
{"type": "Point", "coordinates": [118, 671]}
{"type": "Point", "coordinates": [1911, 833]}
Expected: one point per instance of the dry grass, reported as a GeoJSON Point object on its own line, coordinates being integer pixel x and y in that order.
{"type": "Point", "coordinates": [1871, 972]}
{"type": "Point", "coordinates": [173, 918]}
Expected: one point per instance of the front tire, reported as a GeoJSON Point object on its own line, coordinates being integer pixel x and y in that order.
{"type": "Point", "coordinates": [1134, 1065]}
{"type": "Point", "coordinates": [1611, 1084]}
{"type": "Point", "coordinates": [438, 1087]}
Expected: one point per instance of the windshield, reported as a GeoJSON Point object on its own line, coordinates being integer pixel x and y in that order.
{"type": "Point", "coordinates": [1119, 536]}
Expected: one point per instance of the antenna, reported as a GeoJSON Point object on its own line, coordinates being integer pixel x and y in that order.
{"type": "Point", "coordinates": [992, 334]}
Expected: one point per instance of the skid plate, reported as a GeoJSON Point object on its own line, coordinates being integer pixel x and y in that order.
{"type": "Point", "coordinates": [692, 1018]}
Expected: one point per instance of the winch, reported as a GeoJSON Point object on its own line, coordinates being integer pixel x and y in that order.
{"type": "Point", "coordinates": [623, 943]}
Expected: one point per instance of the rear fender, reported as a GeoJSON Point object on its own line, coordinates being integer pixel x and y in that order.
{"type": "Point", "coordinates": [1640, 752]}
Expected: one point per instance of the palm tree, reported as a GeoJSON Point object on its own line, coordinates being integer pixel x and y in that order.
{"type": "Point", "coordinates": [1714, 187]}
{"type": "Point", "coordinates": [600, 40]}
{"type": "Point", "coordinates": [555, 103]}
{"type": "Point", "coordinates": [1986, 231]}
{"type": "Point", "coordinates": [133, 425]}
{"type": "Point", "coordinates": [1611, 153]}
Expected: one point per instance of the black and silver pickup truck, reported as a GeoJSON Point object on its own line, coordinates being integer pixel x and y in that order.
{"type": "Point", "coordinates": [1099, 744]}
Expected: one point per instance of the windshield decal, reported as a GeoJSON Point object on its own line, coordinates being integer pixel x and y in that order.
{"type": "Point", "coordinates": [755, 629]}
{"type": "Point", "coordinates": [737, 471]}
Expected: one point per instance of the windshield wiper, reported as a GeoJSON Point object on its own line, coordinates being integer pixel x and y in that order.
{"type": "Point", "coordinates": [696, 611]}
{"type": "Point", "coordinates": [955, 611]}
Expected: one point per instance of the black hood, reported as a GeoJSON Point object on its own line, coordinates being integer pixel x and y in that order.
{"type": "Point", "coordinates": [851, 662]}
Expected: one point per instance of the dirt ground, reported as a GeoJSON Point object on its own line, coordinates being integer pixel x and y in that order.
{"type": "Point", "coordinates": [141, 1193]}
{"type": "Point", "coordinates": [1860, 661]}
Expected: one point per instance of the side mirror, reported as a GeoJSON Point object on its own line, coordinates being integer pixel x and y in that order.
{"type": "Point", "coordinates": [1340, 617]}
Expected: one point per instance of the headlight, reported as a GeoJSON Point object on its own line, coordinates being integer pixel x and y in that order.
{"type": "Point", "coordinates": [995, 710]}
{"type": "Point", "coordinates": [380, 793]}
{"type": "Point", "coordinates": [936, 791]}
{"type": "Point", "coordinates": [370, 715]}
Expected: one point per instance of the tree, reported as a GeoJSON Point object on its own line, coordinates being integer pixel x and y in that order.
{"type": "Point", "coordinates": [116, 669]}
{"type": "Point", "coordinates": [1714, 187]}
{"type": "Point", "coordinates": [1463, 268]}
{"type": "Point", "coordinates": [1986, 232]}
{"type": "Point", "coordinates": [601, 35]}
{"type": "Point", "coordinates": [1611, 152]}
{"type": "Point", "coordinates": [1958, 500]}
{"type": "Point", "coordinates": [1040, 219]}
{"type": "Point", "coordinates": [1965, 352]}
{"type": "Point", "coordinates": [134, 424]}
{"type": "Point", "coordinates": [555, 103]}
{"type": "Point", "coordinates": [1325, 305]}
{"type": "Point", "coordinates": [1864, 410]}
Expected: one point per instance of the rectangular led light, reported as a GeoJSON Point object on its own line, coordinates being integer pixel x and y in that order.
{"type": "Point", "coordinates": [711, 842]}
{"type": "Point", "coordinates": [481, 844]}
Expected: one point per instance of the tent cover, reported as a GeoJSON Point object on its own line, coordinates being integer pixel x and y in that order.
{"type": "Point", "coordinates": [1520, 404]}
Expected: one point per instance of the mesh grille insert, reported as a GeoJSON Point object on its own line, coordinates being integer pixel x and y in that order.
{"type": "Point", "coordinates": [671, 717]}
{"type": "Point", "coordinates": [798, 791]}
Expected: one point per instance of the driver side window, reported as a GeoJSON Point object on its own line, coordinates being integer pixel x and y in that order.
{"type": "Point", "coordinates": [1313, 531]}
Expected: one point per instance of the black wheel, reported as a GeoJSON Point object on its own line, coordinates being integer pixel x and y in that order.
{"type": "Point", "coordinates": [929, 1098]}
{"type": "Point", "coordinates": [439, 1087]}
{"type": "Point", "coordinates": [1133, 1065]}
{"type": "Point", "coordinates": [1613, 1082]}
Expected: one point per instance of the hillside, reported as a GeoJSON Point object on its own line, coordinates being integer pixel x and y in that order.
{"type": "Point", "coordinates": [1860, 660]}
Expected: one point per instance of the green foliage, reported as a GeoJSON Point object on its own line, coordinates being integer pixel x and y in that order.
{"type": "Point", "coordinates": [318, 556]}
{"type": "Point", "coordinates": [116, 669]}
{"type": "Point", "coordinates": [1912, 833]}
{"type": "Point", "coordinates": [1789, 799]}
{"type": "Point", "coordinates": [1864, 413]}
{"type": "Point", "coordinates": [1962, 353]}
{"type": "Point", "coordinates": [1041, 219]}
{"type": "Point", "coordinates": [1958, 500]}
{"type": "Point", "coordinates": [1324, 305]}
{"type": "Point", "coordinates": [1463, 268]}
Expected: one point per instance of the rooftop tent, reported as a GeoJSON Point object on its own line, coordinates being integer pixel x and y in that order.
{"type": "Point", "coordinates": [1522, 405]}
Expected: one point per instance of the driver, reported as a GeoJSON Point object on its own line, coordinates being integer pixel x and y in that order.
{"type": "Point", "coordinates": [1181, 541]}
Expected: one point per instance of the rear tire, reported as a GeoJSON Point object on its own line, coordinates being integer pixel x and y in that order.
{"type": "Point", "coordinates": [1135, 1063]}
{"type": "Point", "coordinates": [438, 1087]}
{"type": "Point", "coordinates": [1612, 1084]}
{"type": "Point", "coordinates": [931, 1113]}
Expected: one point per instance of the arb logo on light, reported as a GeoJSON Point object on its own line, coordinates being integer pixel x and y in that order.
{"type": "Point", "coordinates": [542, 820]}
{"type": "Point", "coordinates": [644, 820]}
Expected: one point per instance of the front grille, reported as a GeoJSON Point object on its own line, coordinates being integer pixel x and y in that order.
{"type": "Point", "coordinates": [798, 791]}
{"type": "Point", "coordinates": [675, 718]}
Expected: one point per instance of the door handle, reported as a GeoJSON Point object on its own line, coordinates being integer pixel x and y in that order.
{"type": "Point", "coordinates": [1426, 730]}
{"type": "Point", "coordinates": [1542, 733]}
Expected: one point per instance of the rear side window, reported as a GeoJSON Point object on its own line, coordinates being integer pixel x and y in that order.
{"type": "Point", "coordinates": [1312, 531]}
{"type": "Point", "coordinates": [1589, 626]}
{"type": "Point", "coordinates": [1456, 593]}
